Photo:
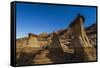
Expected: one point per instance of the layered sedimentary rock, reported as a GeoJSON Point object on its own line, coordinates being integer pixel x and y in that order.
{"type": "Point", "coordinates": [91, 32]}
{"type": "Point", "coordinates": [56, 53]}
{"type": "Point", "coordinates": [83, 50]}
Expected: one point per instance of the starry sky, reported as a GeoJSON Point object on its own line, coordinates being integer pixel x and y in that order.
{"type": "Point", "coordinates": [38, 18]}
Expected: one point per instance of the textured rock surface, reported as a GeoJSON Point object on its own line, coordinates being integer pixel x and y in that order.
{"type": "Point", "coordinates": [83, 50]}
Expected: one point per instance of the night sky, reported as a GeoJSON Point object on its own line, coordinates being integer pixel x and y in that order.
{"type": "Point", "coordinates": [36, 18]}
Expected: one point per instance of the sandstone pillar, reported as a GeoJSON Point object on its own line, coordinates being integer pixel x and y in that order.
{"type": "Point", "coordinates": [83, 50]}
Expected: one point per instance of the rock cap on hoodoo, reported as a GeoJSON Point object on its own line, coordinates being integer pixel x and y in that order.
{"type": "Point", "coordinates": [76, 20]}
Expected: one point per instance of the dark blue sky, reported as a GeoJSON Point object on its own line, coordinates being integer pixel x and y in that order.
{"type": "Point", "coordinates": [36, 18]}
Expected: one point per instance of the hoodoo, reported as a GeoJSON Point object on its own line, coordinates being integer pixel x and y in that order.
{"type": "Point", "coordinates": [83, 50]}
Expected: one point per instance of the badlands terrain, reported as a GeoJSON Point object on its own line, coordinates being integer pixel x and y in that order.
{"type": "Point", "coordinates": [73, 44]}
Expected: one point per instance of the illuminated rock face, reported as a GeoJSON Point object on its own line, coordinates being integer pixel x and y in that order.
{"type": "Point", "coordinates": [83, 50]}
{"type": "Point", "coordinates": [33, 41]}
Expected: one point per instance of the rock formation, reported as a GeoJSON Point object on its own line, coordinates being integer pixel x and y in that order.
{"type": "Point", "coordinates": [72, 44]}
{"type": "Point", "coordinates": [32, 40]}
{"type": "Point", "coordinates": [83, 50]}
{"type": "Point", "coordinates": [56, 53]}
